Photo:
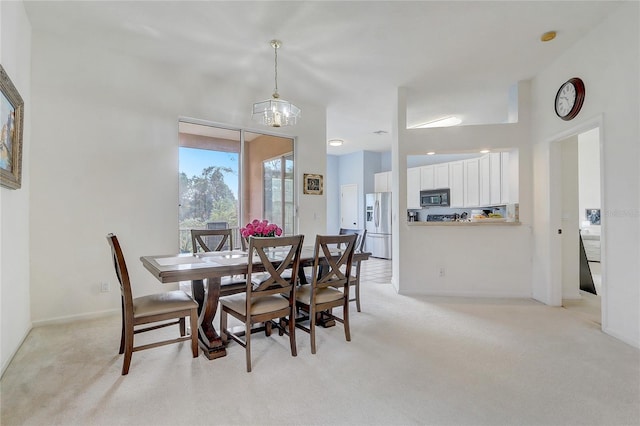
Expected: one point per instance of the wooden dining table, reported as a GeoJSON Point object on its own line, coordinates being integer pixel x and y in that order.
{"type": "Point", "coordinates": [205, 271]}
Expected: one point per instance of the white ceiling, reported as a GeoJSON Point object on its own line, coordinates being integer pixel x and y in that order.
{"type": "Point", "coordinates": [454, 57]}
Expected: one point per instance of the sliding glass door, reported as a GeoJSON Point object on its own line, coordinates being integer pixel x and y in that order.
{"type": "Point", "coordinates": [229, 177]}
{"type": "Point", "coordinates": [278, 191]}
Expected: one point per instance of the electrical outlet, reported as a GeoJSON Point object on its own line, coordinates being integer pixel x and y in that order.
{"type": "Point", "coordinates": [105, 287]}
{"type": "Point", "coordinates": [442, 271]}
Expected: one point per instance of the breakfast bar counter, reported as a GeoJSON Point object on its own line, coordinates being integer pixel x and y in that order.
{"type": "Point", "coordinates": [484, 222]}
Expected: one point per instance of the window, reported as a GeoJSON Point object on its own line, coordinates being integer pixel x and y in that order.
{"type": "Point", "coordinates": [229, 177]}
{"type": "Point", "coordinates": [278, 192]}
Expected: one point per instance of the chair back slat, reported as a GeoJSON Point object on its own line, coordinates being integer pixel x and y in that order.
{"type": "Point", "coordinates": [203, 240]}
{"type": "Point", "coordinates": [288, 249]}
{"type": "Point", "coordinates": [329, 270]}
{"type": "Point", "coordinates": [121, 270]}
{"type": "Point", "coordinates": [361, 233]}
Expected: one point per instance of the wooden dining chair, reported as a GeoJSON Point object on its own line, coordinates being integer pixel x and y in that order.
{"type": "Point", "coordinates": [208, 240]}
{"type": "Point", "coordinates": [329, 287]}
{"type": "Point", "coordinates": [263, 300]}
{"type": "Point", "coordinates": [153, 308]}
{"type": "Point", "coordinates": [354, 279]}
{"type": "Point", "coordinates": [204, 240]}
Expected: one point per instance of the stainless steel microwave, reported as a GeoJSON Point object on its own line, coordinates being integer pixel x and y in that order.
{"type": "Point", "coordinates": [434, 197]}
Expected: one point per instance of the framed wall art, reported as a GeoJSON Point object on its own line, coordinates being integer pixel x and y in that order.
{"type": "Point", "coordinates": [312, 184]}
{"type": "Point", "coordinates": [593, 216]}
{"type": "Point", "coordinates": [11, 120]}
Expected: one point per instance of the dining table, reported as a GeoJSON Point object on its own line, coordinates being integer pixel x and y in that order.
{"type": "Point", "coordinates": [206, 270]}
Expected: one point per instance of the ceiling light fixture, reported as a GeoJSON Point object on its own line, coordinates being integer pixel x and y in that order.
{"type": "Point", "coordinates": [484, 151]}
{"type": "Point", "coordinates": [441, 122]}
{"type": "Point", "coordinates": [276, 112]}
{"type": "Point", "coordinates": [335, 142]}
{"type": "Point", "coordinates": [548, 36]}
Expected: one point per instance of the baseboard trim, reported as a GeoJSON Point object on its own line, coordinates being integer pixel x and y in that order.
{"type": "Point", "coordinates": [621, 337]}
{"type": "Point", "coordinates": [468, 294]}
{"type": "Point", "coordinates": [15, 351]}
{"type": "Point", "coordinates": [77, 317]}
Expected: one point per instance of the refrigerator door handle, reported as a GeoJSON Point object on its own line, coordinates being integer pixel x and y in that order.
{"type": "Point", "coordinates": [376, 214]}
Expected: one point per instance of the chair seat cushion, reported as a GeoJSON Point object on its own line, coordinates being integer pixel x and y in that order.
{"type": "Point", "coordinates": [161, 303]}
{"type": "Point", "coordinates": [259, 306]}
{"type": "Point", "coordinates": [323, 295]}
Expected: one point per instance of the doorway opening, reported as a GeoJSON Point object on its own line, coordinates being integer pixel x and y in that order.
{"type": "Point", "coordinates": [580, 207]}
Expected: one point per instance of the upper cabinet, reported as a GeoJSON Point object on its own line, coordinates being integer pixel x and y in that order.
{"type": "Point", "coordinates": [434, 177]}
{"type": "Point", "coordinates": [427, 177]}
{"type": "Point", "coordinates": [382, 182]}
{"type": "Point", "coordinates": [473, 182]}
{"type": "Point", "coordinates": [485, 180]}
{"type": "Point", "coordinates": [495, 178]}
{"type": "Point", "coordinates": [441, 175]}
{"type": "Point", "coordinates": [413, 188]}
{"type": "Point", "coordinates": [505, 178]}
{"type": "Point", "coordinates": [456, 184]}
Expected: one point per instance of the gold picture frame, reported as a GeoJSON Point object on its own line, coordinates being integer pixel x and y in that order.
{"type": "Point", "coordinates": [11, 122]}
{"type": "Point", "coordinates": [312, 184]}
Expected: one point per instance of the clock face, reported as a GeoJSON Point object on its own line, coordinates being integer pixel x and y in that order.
{"type": "Point", "coordinates": [569, 99]}
{"type": "Point", "coordinates": [566, 99]}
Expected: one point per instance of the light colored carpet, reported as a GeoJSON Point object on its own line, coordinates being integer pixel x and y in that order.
{"type": "Point", "coordinates": [436, 361]}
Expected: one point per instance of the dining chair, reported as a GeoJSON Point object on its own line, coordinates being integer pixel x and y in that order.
{"type": "Point", "coordinates": [204, 240]}
{"type": "Point", "coordinates": [208, 240]}
{"type": "Point", "coordinates": [153, 308]}
{"type": "Point", "coordinates": [263, 302]}
{"type": "Point", "coordinates": [329, 288]}
{"type": "Point", "coordinates": [354, 278]}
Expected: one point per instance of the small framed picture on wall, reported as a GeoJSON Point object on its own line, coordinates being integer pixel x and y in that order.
{"type": "Point", "coordinates": [593, 216]}
{"type": "Point", "coordinates": [312, 184]}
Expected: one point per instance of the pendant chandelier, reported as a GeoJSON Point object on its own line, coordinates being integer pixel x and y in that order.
{"type": "Point", "coordinates": [276, 112]}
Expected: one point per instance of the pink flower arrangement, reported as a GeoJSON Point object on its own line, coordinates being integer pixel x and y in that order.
{"type": "Point", "coordinates": [260, 228]}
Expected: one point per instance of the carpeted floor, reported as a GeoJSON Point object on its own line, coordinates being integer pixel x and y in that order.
{"type": "Point", "coordinates": [436, 361]}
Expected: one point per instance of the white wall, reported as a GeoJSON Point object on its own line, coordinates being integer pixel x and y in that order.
{"type": "Point", "coordinates": [15, 316]}
{"type": "Point", "coordinates": [570, 225]}
{"type": "Point", "coordinates": [589, 176]}
{"type": "Point", "coordinates": [607, 61]}
{"type": "Point", "coordinates": [471, 256]}
{"type": "Point", "coordinates": [105, 159]}
{"type": "Point", "coordinates": [332, 188]}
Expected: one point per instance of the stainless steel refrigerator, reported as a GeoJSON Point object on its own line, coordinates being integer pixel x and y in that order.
{"type": "Point", "coordinates": [378, 224]}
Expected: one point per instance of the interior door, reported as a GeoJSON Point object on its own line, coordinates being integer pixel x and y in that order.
{"type": "Point", "coordinates": [349, 217]}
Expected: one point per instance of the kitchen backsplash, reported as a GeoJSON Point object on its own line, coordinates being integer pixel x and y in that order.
{"type": "Point", "coordinates": [422, 213]}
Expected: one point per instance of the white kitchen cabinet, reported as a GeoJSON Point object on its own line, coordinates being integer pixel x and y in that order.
{"type": "Point", "coordinates": [505, 178]}
{"type": "Point", "coordinates": [495, 178]}
{"type": "Point", "coordinates": [427, 177]}
{"type": "Point", "coordinates": [485, 180]}
{"type": "Point", "coordinates": [413, 188]}
{"type": "Point", "coordinates": [456, 183]}
{"type": "Point", "coordinates": [441, 175]}
{"type": "Point", "coordinates": [382, 182]}
{"type": "Point", "coordinates": [471, 182]}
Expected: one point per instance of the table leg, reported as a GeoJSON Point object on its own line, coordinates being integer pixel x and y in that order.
{"type": "Point", "coordinates": [210, 342]}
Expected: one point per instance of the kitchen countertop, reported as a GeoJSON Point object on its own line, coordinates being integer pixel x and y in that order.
{"type": "Point", "coordinates": [476, 223]}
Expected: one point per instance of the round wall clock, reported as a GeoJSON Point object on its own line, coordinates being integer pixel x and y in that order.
{"type": "Point", "coordinates": [569, 99]}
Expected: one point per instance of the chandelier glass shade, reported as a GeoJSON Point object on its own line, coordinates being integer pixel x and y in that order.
{"type": "Point", "coordinates": [276, 112]}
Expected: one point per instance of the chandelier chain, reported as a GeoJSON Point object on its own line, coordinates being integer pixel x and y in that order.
{"type": "Point", "coordinates": [275, 91]}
